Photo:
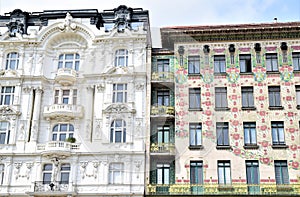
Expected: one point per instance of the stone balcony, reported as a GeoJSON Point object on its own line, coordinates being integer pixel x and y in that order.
{"type": "Point", "coordinates": [57, 148]}
{"type": "Point", "coordinates": [66, 76]}
{"type": "Point", "coordinates": [63, 111]}
{"type": "Point", "coordinates": [55, 188]}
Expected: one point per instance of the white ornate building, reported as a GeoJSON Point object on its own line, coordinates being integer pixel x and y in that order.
{"type": "Point", "coordinates": [71, 118]}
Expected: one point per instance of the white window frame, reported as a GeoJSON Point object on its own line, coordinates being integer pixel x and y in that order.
{"type": "Point", "coordinates": [119, 93]}
{"type": "Point", "coordinates": [2, 170]}
{"type": "Point", "coordinates": [121, 58]}
{"type": "Point", "coordinates": [116, 173]}
{"type": "Point", "coordinates": [117, 129]}
{"type": "Point", "coordinates": [65, 169]}
{"type": "Point", "coordinates": [224, 172]}
{"type": "Point", "coordinates": [49, 172]}
{"type": "Point", "coordinates": [12, 61]}
{"type": "Point", "coordinates": [7, 95]}
{"type": "Point", "coordinates": [72, 63]}
{"type": "Point", "coordinates": [61, 134]}
{"type": "Point", "coordinates": [60, 96]}
{"type": "Point", "coordinates": [4, 131]}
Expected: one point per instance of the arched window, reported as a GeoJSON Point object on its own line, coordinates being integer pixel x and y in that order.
{"type": "Point", "coordinates": [4, 132]}
{"type": "Point", "coordinates": [61, 132]}
{"type": "Point", "coordinates": [121, 58]}
{"type": "Point", "coordinates": [70, 61]}
{"type": "Point", "coordinates": [118, 131]}
{"type": "Point", "coordinates": [12, 61]}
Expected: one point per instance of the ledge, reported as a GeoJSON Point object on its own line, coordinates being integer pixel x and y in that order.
{"type": "Point", "coordinates": [276, 108]}
{"type": "Point", "coordinates": [223, 147]}
{"type": "Point", "coordinates": [222, 108]}
{"type": "Point", "coordinates": [246, 73]}
{"type": "Point", "coordinates": [220, 74]}
{"type": "Point", "coordinates": [196, 147]}
{"type": "Point", "coordinates": [280, 146]}
{"type": "Point", "coordinates": [273, 72]}
{"type": "Point", "coordinates": [195, 109]}
{"type": "Point", "coordinates": [298, 107]}
{"type": "Point", "coordinates": [249, 108]}
{"type": "Point", "coordinates": [251, 146]}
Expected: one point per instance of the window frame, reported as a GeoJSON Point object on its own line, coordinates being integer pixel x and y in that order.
{"type": "Point", "coordinates": [282, 167]}
{"type": "Point", "coordinates": [116, 130]}
{"type": "Point", "coordinates": [194, 65]}
{"type": "Point", "coordinates": [196, 172]}
{"type": "Point", "coordinates": [246, 61]}
{"type": "Point", "coordinates": [297, 90]}
{"type": "Point", "coordinates": [195, 135]}
{"type": "Point", "coordinates": [65, 99]}
{"type": "Point", "coordinates": [121, 58]}
{"type": "Point", "coordinates": [272, 62]}
{"type": "Point", "coordinates": [7, 97]}
{"type": "Point", "coordinates": [163, 134]}
{"type": "Point", "coordinates": [72, 63]}
{"type": "Point", "coordinates": [274, 95]}
{"type": "Point", "coordinates": [49, 172]}
{"type": "Point", "coordinates": [62, 135]}
{"type": "Point", "coordinates": [4, 131]}
{"type": "Point", "coordinates": [163, 97]}
{"type": "Point", "coordinates": [116, 173]}
{"type": "Point", "coordinates": [252, 172]}
{"type": "Point", "coordinates": [221, 102]}
{"type": "Point", "coordinates": [195, 99]}
{"type": "Point", "coordinates": [224, 170]}
{"type": "Point", "coordinates": [296, 61]}
{"type": "Point", "coordinates": [278, 135]}
{"type": "Point", "coordinates": [165, 169]}
{"type": "Point", "coordinates": [247, 93]}
{"type": "Point", "coordinates": [219, 64]}
{"type": "Point", "coordinates": [222, 129]}
{"type": "Point", "coordinates": [10, 59]}
{"type": "Point", "coordinates": [65, 169]}
{"type": "Point", "coordinates": [250, 130]}
{"type": "Point", "coordinates": [119, 93]}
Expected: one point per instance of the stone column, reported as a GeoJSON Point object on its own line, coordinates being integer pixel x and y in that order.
{"type": "Point", "coordinates": [36, 114]}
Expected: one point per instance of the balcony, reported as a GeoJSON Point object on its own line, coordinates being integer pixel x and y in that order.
{"type": "Point", "coordinates": [57, 148]}
{"type": "Point", "coordinates": [216, 189]}
{"type": "Point", "coordinates": [162, 148]}
{"type": "Point", "coordinates": [162, 110]}
{"type": "Point", "coordinates": [66, 76]}
{"type": "Point", "coordinates": [63, 111]}
{"type": "Point", "coordinates": [53, 189]}
{"type": "Point", "coordinates": [162, 76]}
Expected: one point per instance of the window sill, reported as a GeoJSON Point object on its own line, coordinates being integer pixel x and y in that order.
{"type": "Point", "coordinates": [251, 146]}
{"type": "Point", "coordinates": [296, 71]}
{"type": "Point", "coordinates": [280, 146]}
{"type": "Point", "coordinates": [194, 74]}
{"type": "Point", "coordinates": [220, 74]}
{"type": "Point", "coordinates": [273, 72]}
{"type": "Point", "coordinates": [276, 108]}
{"type": "Point", "coordinates": [223, 147]}
{"type": "Point", "coordinates": [298, 107]}
{"type": "Point", "coordinates": [222, 109]}
{"type": "Point", "coordinates": [225, 187]}
{"type": "Point", "coordinates": [196, 147]}
{"type": "Point", "coordinates": [195, 109]}
{"type": "Point", "coordinates": [248, 108]}
{"type": "Point", "coordinates": [246, 73]}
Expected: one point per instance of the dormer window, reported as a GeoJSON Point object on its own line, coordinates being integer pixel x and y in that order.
{"type": "Point", "coordinates": [121, 58]}
{"type": "Point", "coordinates": [12, 61]}
{"type": "Point", "coordinates": [69, 61]}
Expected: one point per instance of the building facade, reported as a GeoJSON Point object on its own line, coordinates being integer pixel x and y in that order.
{"type": "Point", "coordinates": [72, 120]}
{"type": "Point", "coordinates": [225, 111]}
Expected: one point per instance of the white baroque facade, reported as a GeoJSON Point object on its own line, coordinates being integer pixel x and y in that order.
{"type": "Point", "coordinates": [73, 102]}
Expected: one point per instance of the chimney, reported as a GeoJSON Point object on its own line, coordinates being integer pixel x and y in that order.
{"type": "Point", "coordinates": [275, 20]}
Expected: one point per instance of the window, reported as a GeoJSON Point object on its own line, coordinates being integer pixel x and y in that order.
{"type": "Point", "coordinates": [296, 61]}
{"type": "Point", "coordinates": [224, 174]}
{"type": "Point", "coordinates": [277, 133]}
{"type": "Point", "coordinates": [231, 58]}
{"type": "Point", "coordinates": [271, 62]}
{"type": "Point", "coordinates": [219, 64]}
{"type": "Point", "coordinates": [121, 58]}
{"type": "Point", "coordinates": [274, 96]}
{"type": "Point", "coordinates": [194, 65]}
{"type": "Point", "coordinates": [247, 97]}
{"type": "Point", "coordinates": [258, 57]}
{"type": "Point", "coordinates": [162, 65]}
{"type": "Point", "coordinates": [47, 173]}
{"type": "Point", "coordinates": [250, 133]}
{"type": "Point", "coordinates": [69, 61]}
{"type": "Point", "coordinates": [284, 56]}
{"type": "Point", "coordinates": [4, 132]}
{"type": "Point", "coordinates": [222, 134]}
{"type": "Point", "coordinates": [65, 173]}
{"type": "Point", "coordinates": [1, 174]}
{"type": "Point", "coordinates": [119, 93]}
{"type": "Point", "coordinates": [298, 96]}
{"type": "Point", "coordinates": [67, 97]}
{"type": "Point", "coordinates": [12, 61]}
{"type": "Point", "coordinates": [7, 95]}
{"type": "Point", "coordinates": [116, 173]}
{"type": "Point", "coordinates": [221, 98]}
{"type": "Point", "coordinates": [61, 132]}
{"type": "Point", "coordinates": [245, 63]}
{"type": "Point", "coordinates": [163, 173]}
{"type": "Point", "coordinates": [195, 134]}
{"type": "Point", "coordinates": [252, 172]}
{"type": "Point", "coordinates": [195, 98]}
{"type": "Point", "coordinates": [196, 172]}
{"type": "Point", "coordinates": [163, 134]}
{"type": "Point", "coordinates": [163, 98]}
{"type": "Point", "coordinates": [118, 131]}
{"type": "Point", "coordinates": [281, 172]}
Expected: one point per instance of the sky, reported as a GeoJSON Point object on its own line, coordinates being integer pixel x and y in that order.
{"type": "Point", "coordinates": [165, 13]}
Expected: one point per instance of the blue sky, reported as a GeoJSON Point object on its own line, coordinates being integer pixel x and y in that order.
{"type": "Point", "coordinates": [179, 12]}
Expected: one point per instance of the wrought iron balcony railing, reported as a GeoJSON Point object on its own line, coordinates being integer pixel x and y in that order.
{"type": "Point", "coordinates": [217, 189]}
{"type": "Point", "coordinates": [40, 186]}
{"type": "Point", "coordinates": [162, 110]}
{"type": "Point", "coordinates": [163, 76]}
{"type": "Point", "coordinates": [162, 148]}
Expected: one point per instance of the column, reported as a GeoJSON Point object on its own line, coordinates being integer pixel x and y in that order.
{"type": "Point", "coordinates": [36, 114]}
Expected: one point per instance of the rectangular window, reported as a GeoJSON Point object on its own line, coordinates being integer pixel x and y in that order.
{"type": "Point", "coordinates": [245, 63]}
{"type": "Point", "coordinates": [277, 133]}
{"type": "Point", "coordinates": [194, 65]}
{"type": "Point", "coordinates": [274, 96]}
{"type": "Point", "coordinates": [1, 174]}
{"type": "Point", "coordinates": [195, 134]}
{"type": "Point", "coordinates": [224, 174]}
{"type": "Point", "coordinates": [298, 96]}
{"type": "Point", "coordinates": [247, 97]}
{"type": "Point", "coordinates": [119, 93]}
{"type": "Point", "coordinates": [219, 64]}
{"type": "Point", "coordinates": [250, 133]}
{"type": "Point", "coordinates": [222, 134]}
{"type": "Point", "coordinates": [252, 172]}
{"type": "Point", "coordinates": [7, 95]}
{"type": "Point", "coordinates": [4, 132]}
{"type": "Point", "coordinates": [47, 173]}
{"type": "Point", "coordinates": [116, 173]}
{"type": "Point", "coordinates": [163, 134]}
{"type": "Point", "coordinates": [272, 62]}
{"type": "Point", "coordinates": [65, 173]}
{"type": "Point", "coordinates": [163, 173]}
{"type": "Point", "coordinates": [296, 61]}
{"type": "Point", "coordinates": [65, 96]}
{"type": "Point", "coordinates": [258, 57]}
{"type": "Point", "coordinates": [196, 172]}
{"type": "Point", "coordinates": [195, 98]}
{"type": "Point", "coordinates": [221, 98]}
{"type": "Point", "coordinates": [281, 172]}
{"type": "Point", "coordinates": [163, 98]}
{"type": "Point", "coordinates": [162, 65]}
